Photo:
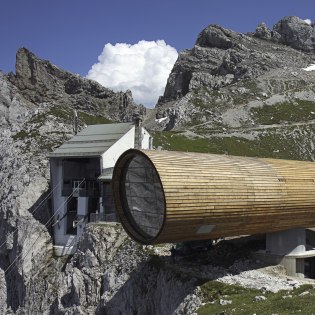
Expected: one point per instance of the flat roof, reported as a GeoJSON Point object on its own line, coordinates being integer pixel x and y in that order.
{"type": "Point", "coordinates": [94, 140]}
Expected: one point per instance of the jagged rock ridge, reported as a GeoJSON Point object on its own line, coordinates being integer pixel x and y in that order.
{"type": "Point", "coordinates": [243, 94]}
{"type": "Point", "coordinates": [222, 57]}
{"type": "Point", "coordinates": [39, 81]}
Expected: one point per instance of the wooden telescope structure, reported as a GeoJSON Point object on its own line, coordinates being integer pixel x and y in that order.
{"type": "Point", "coordinates": [165, 196]}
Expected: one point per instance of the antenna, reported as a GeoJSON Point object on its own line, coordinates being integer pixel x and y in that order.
{"type": "Point", "coordinates": [75, 121]}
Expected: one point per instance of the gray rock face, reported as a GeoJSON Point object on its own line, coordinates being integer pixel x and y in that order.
{"type": "Point", "coordinates": [262, 31]}
{"type": "Point", "coordinates": [25, 241]}
{"type": "Point", "coordinates": [217, 36]}
{"type": "Point", "coordinates": [222, 57]}
{"type": "Point", "coordinates": [296, 33]}
{"type": "Point", "coordinates": [218, 82]}
{"type": "Point", "coordinates": [40, 81]}
{"type": "Point", "coordinates": [110, 274]}
{"type": "Point", "coordinates": [3, 293]}
{"type": "Point", "coordinates": [13, 106]}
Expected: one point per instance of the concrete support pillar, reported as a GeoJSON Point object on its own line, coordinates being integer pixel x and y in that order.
{"type": "Point", "coordinates": [289, 242]}
{"type": "Point", "coordinates": [284, 247]}
{"type": "Point", "coordinates": [300, 267]}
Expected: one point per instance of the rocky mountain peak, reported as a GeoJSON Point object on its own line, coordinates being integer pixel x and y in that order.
{"type": "Point", "coordinates": [296, 33]}
{"type": "Point", "coordinates": [222, 57]}
{"type": "Point", "coordinates": [29, 67]}
{"type": "Point", "coordinates": [39, 81]}
{"type": "Point", "coordinates": [263, 32]}
{"type": "Point", "coordinates": [217, 36]}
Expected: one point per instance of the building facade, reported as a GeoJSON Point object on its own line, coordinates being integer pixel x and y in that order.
{"type": "Point", "coordinates": [81, 173]}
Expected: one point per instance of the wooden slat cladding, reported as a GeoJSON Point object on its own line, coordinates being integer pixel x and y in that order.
{"type": "Point", "coordinates": [210, 196]}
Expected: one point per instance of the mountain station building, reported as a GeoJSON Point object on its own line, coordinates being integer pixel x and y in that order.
{"type": "Point", "coordinates": [81, 173]}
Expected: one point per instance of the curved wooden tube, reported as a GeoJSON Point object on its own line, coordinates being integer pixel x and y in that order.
{"type": "Point", "coordinates": [195, 196]}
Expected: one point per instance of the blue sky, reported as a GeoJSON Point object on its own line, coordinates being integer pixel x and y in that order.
{"type": "Point", "coordinates": [72, 33]}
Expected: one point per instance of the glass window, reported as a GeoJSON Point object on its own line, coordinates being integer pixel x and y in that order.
{"type": "Point", "coordinates": [143, 197]}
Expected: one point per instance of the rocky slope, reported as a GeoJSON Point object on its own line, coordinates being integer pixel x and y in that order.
{"type": "Point", "coordinates": [244, 88]}
{"type": "Point", "coordinates": [39, 82]}
{"type": "Point", "coordinates": [109, 274]}
{"type": "Point", "coordinates": [36, 110]}
{"type": "Point", "coordinates": [222, 57]}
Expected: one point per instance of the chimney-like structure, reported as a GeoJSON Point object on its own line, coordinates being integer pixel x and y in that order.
{"type": "Point", "coordinates": [75, 122]}
{"type": "Point", "coordinates": [138, 131]}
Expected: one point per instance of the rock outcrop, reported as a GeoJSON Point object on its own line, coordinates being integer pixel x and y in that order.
{"type": "Point", "coordinates": [39, 81]}
{"type": "Point", "coordinates": [222, 57]}
{"type": "Point", "coordinates": [25, 240]}
{"type": "Point", "coordinates": [296, 33]}
{"type": "Point", "coordinates": [263, 32]}
{"type": "Point", "coordinates": [109, 274]}
{"type": "Point", "coordinates": [231, 86]}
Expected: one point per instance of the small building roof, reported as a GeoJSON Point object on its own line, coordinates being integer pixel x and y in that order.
{"type": "Point", "coordinates": [92, 141]}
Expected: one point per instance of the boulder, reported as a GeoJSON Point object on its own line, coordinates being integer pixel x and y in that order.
{"type": "Point", "coordinates": [216, 36]}
{"type": "Point", "coordinates": [262, 31]}
{"type": "Point", "coordinates": [296, 33]}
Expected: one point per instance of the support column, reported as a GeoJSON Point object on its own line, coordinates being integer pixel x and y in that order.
{"type": "Point", "coordinates": [289, 242]}
{"type": "Point", "coordinates": [285, 246]}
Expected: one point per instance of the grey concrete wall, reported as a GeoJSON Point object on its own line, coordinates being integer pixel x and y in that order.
{"type": "Point", "coordinates": [289, 242]}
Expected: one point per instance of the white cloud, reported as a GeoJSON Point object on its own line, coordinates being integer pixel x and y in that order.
{"type": "Point", "coordinates": [143, 68]}
{"type": "Point", "coordinates": [308, 21]}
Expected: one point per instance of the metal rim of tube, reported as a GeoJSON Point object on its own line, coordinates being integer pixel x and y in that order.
{"type": "Point", "coordinates": [123, 214]}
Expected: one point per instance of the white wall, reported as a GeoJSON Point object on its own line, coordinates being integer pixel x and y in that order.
{"type": "Point", "coordinates": [145, 144]}
{"type": "Point", "coordinates": [126, 142]}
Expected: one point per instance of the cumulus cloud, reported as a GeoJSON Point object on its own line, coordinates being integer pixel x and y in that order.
{"type": "Point", "coordinates": [142, 68]}
{"type": "Point", "coordinates": [308, 21]}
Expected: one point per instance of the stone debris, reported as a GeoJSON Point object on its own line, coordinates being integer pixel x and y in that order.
{"type": "Point", "coordinates": [225, 302]}
{"type": "Point", "coordinates": [271, 279]}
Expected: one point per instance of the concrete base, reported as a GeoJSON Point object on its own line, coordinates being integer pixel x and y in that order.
{"type": "Point", "coordinates": [289, 242]}
{"type": "Point", "coordinates": [288, 248]}
{"type": "Point", "coordinates": [293, 265]}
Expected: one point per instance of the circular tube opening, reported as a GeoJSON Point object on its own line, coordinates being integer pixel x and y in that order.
{"type": "Point", "coordinates": [142, 197]}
